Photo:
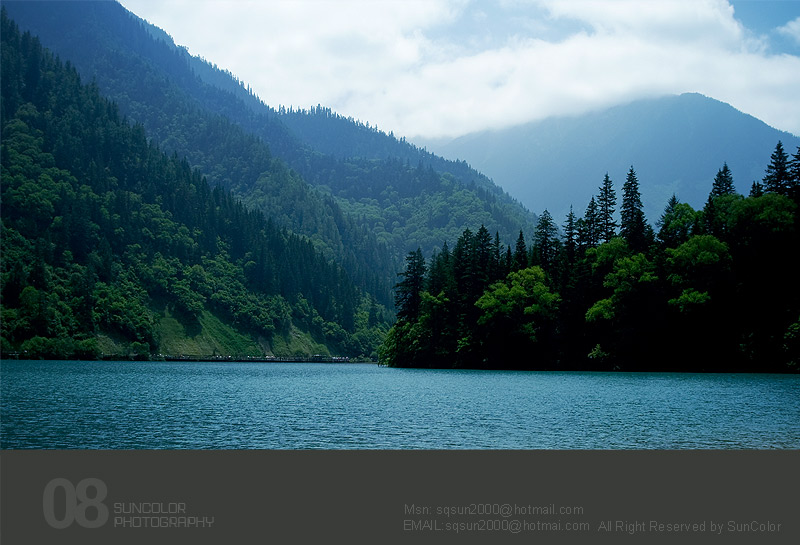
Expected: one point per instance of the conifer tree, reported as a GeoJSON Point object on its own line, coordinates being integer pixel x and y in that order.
{"type": "Point", "coordinates": [570, 237]}
{"type": "Point", "coordinates": [496, 272]}
{"type": "Point", "coordinates": [508, 262]}
{"type": "Point", "coordinates": [757, 189]}
{"type": "Point", "coordinates": [678, 222]}
{"type": "Point", "coordinates": [591, 226]}
{"type": "Point", "coordinates": [484, 254]}
{"type": "Point", "coordinates": [606, 203]}
{"type": "Point", "coordinates": [634, 227]}
{"type": "Point", "coordinates": [520, 254]}
{"type": "Point", "coordinates": [466, 271]}
{"type": "Point", "coordinates": [794, 175]}
{"type": "Point", "coordinates": [580, 230]}
{"type": "Point", "coordinates": [672, 203]}
{"type": "Point", "coordinates": [723, 183]}
{"type": "Point", "coordinates": [776, 179]}
{"type": "Point", "coordinates": [408, 292]}
{"type": "Point", "coordinates": [433, 280]}
{"type": "Point", "coordinates": [546, 242]}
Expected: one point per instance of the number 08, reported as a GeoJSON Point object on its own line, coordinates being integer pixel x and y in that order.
{"type": "Point", "coordinates": [77, 502]}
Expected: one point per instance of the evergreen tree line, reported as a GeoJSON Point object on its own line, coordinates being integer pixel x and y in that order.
{"type": "Point", "coordinates": [708, 290]}
{"type": "Point", "coordinates": [100, 229]}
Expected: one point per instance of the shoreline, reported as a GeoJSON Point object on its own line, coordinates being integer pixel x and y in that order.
{"type": "Point", "coordinates": [197, 358]}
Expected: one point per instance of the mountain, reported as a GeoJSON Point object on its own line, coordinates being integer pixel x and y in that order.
{"type": "Point", "coordinates": [345, 138]}
{"type": "Point", "coordinates": [112, 247]}
{"type": "Point", "coordinates": [365, 206]}
{"type": "Point", "coordinates": [154, 84]}
{"type": "Point", "coordinates": [676, 145]}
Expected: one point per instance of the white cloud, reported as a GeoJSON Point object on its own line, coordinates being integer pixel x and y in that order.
{"type": "Point", "coordinates": [411, 67]}
{"type": "Point", "coordinates": [792, 30]}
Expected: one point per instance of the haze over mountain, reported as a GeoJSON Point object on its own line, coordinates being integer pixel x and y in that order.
{"type": "Point", "coordinates": [675, 143]}
{"type": "Point", "coordinates": [446, 68]}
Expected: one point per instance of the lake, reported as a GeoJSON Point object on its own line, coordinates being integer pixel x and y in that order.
{"type": "Point", "coordinates": [181, 405]}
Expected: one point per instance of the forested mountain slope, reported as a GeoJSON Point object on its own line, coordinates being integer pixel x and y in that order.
{"type": "Point", "coordinates": [200, 112]}
{"type": "Point", "coordinates": [111, 246]}
{"type": "Point", "coordinates": [344, 137]}
{"type": "Point", "coordinates": [154, 85]}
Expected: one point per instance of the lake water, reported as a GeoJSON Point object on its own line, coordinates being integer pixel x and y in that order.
{"type": "Point", "coordinates": [165, 405]}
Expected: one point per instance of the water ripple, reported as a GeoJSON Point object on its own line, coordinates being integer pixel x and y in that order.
{"type": "Point", "coordinates": [162, 405]}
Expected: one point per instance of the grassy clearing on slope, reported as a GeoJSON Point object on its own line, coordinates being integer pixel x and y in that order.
{"type": "Point", "coordinates": [297, 343]}
{"type": "Point", "coordinates": [206, 335]}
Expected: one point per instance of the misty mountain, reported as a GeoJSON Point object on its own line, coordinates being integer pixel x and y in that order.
{"type": "Point", "coordinates": [344, 137]}
{"type": "Point", "coordinates": [675, 143]}
{"type": "Point", "coordinates": [360, 206]}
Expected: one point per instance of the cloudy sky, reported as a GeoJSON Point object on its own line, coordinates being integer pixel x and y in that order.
{"type": "Point", "coordinates": [439, 68]}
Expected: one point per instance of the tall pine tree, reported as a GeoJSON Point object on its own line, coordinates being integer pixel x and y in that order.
{"type": "Point", "coordinates": [520, 254]}
{"type": "Point", "coordinates": [757, 189]}
{"type": "Point", "coordinates": [794, 175]}
{"type": "Point", "coordinates": [776, 179]}
{"type": "Point", "coordinates": [570, 237]}
{"type": "Point", "coordinates": [484, 257]}
{"type": "Point", "coordinates": [408, 292]}
{"type": "Point", "coordinates": [723, 183]}
{"type": "Point", "coordinates": [497, 271]}
{"type": "Point", "coordinates": [606, 204]}
{"type": "Point", "coordinates": [722, 186]}
{"type": "Point", "coordinates": [590, 235]}
{"type": "Point", "coordinates": [546, 242]}
{"type": "Point", "coordinates": [634, 227]}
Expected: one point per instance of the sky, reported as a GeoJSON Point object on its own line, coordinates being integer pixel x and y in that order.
{"type": "Point", "coordinates": [444, 68]}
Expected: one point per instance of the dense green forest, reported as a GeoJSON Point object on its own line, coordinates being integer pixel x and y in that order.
{"type": "Point", "coordinates": [107, 241]}
{"type": "Point", "coordinates": [712, 290]}
{"type": "Point", "coordinates": [365, 207]}
{"type": "Point", "coordinates": [156, 85]}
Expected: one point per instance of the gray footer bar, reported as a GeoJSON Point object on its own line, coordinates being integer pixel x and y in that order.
{"type": "Point", "coordinates": [202, 497]}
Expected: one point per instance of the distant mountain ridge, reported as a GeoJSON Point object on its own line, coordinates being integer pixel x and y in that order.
{"type": "Point", "coordinates": [343, 137]}
{"type": "Point", "coordinates": [675, 143]}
